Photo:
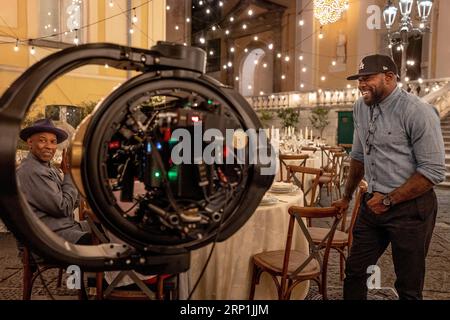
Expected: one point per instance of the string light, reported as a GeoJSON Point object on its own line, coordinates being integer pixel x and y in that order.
{"type": "Point", "coordinates": [237, 78]}
{"type": "Point", "coordinates": [278, 55]}
{"type": "Point", "coordinates": [202, 40]}
{"type": "Point", "coordinates": [16, 47]}
{"type": "Point", "coordinates": [333, 63]}
{"type": "Point", "coordinates": [232, 49]}
{"type": "Point", "coordinates": [301, 23]}
{"type": "Point", "coordinates": [220, 3]}
{"type": "Point", "coordinates": [286, 58]}
{"type": "Point", "coordinates": [231, 19]}
{"type": "Point", "coordinates": [270, 46]}
{"type": "Point", "coordinates": [323, 78]}
{"type": "Point", "coordinates": [76, 41]}
{"type": "Point", "coordinates": [283, 77]}
{"type": "Point", "coordinates": [188, 20]}
{"type": "Point", "coordinates": [167, 8]}
{"type": "Point", "coordinates": [135, 18]}
{"type": "Point", "coordinates": [304, 69]}
{"type": "Point", "coordinates": [250, 12]}
{"type": "Point", "coordinates": [32, 51]}
{"type": "Point", "coordinates": [255, 38]}
{"type": "Point", "coordinates": [244, 26]}
{"type": "Point", "coordinates": [211, 53]}
{"type": "Point", "coordinates": [302, 85]}
{"type": "Point", "coordinates": [265, 65]}
{"type": "Point", "coordinates": [321, 33]}
{"type": "Point", "coordinates": [300, 57]}
{"type": "Point", "coordinates": [111, 3]}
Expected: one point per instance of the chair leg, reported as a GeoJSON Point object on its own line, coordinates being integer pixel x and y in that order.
{"type": "Point", "coordinates": [341, 266]}
{"type": "Point", "coordinates": [99, 285]}
{"type": "Point", "coordinates": [255, 278]}
{"type": "Point", "coordinates": [27, 276]}
{"type": "Point", "coordinates": [159, 288]}
{"type": "Point", "coordinates": [59, 279]}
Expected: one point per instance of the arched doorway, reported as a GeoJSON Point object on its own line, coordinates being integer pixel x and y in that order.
{"type": "Point", "coordinates": [256, 73]}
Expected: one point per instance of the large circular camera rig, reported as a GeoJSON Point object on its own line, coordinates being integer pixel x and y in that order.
{"type": "Point", "coordinates": [122, 159]}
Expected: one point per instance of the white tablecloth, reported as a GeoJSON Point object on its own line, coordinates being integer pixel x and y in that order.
{"type": "Point", "coordinates": [229, 272]}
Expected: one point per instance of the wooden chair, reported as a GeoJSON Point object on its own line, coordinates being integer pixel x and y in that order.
{"type": "Point", "coordinates": [309, 185]}
{"type": "Point", "coordinates": [299, 158]}
{"type": "Point", "coordinates": [342, 240]}
{"type": "Point", "coordinates": [287, 267]}
{"type": "Point", "coordinates": [332, 177]}
{"type": "Point", "coordinates": [35, 267]}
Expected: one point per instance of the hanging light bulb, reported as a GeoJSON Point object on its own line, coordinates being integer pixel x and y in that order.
{"type": "Point", "coordinates": [255, 38]}
{"type": "Point", "coordinates": [16, 47]}
{"type": "Point", "coordinates": [301, 22]}
{"type": "Point", "coordinates": [111, 3]}
{"type": "Point", "coordinates": [227, 32]}
{"type": "Point", "coordinates": [270, 46]}
{"type": "Point", "coordinates": [232, 49]}
{"type": "Point", "coordinates": [286, 58]}
{"type": "Point", "coordinates": [244, 26]}
{"type": "Point", "coordinates": [188, 20]}
{"type": "Point", "coordinates": [301, 57]}
{"type": "Point", "coordinates": [250, 12]}
{"type": "Point", "coordinates": [32, 51]}
{"type": "Point", "coordinates": [76, 41]}
{"type": "Point", "coordinates": [321, 33]}
{"type": "Point", "coordinates": [135, 18]}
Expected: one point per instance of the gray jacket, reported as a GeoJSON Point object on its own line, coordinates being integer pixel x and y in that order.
{"type": "Point", "coordinates": [51, 196]}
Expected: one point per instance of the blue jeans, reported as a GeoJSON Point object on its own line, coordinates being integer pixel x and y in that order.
{"type": "Point", "coordinates": [408, 227]}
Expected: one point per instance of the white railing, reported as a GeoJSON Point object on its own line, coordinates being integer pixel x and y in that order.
{"type": "Point", "coordinates": [334, 98]}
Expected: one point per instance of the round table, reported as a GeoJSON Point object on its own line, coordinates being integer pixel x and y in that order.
{"type": "Point", "coordinates": [228, 275]}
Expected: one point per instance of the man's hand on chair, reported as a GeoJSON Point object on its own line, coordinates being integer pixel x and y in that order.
{"type": "Point", "coordinates": [341, 204]}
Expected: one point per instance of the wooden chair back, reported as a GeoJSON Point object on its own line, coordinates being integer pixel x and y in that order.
{"type": "Point", "coordinates": [307, 179]}
{"type": "Point", "coordinates": [300, 160]}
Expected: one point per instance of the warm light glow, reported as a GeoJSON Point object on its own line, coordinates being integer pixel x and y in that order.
{"type": "Point", "coordinates": [232, 49]}
{"type": "Point", "coordinates": [265, 65]}
{"type": "Point", "coordinates": [230, 64]}
{"type": "Point", "coordinates": [300, 57]}
{"type": "Point", "coordinates": [287, 58]}
{"type": "Point", "coordinates": [302, 85]}
{"type": "Point", "coordinates": [283, 77]}
{"type": "Point", "coordinates": [323, 78]}
{"type": "Point", "coordinates": [329, 11]}
{"type": "Point", "coordinates": [255, 38]}
{"type": "Point", "coordinates": [250, 12]}
{"type": "Point", "coordinates": [270, 46]}
{"type": "Point", "coordinates": [244, 26]}
{"type": "Point", "coordinates": [333, 62]}
{"type": "Point", "coordinates": [237, 78]}
{"type": "Point", "coordinates": [301, 23]}
{"type": "Point", "coordinates": [304, 69]}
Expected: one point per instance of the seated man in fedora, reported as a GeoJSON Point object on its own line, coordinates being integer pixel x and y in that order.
{"type": "Point", "coordinates": [50, 193]}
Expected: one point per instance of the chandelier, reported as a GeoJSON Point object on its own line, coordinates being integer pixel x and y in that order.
{"type": "Point", "coordinates": [329, 11]}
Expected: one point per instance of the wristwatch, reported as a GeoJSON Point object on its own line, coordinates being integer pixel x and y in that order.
{"type": "Point", "coordinates": [387, 201]}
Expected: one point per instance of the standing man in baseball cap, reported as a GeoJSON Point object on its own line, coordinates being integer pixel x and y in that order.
{"type": "Point", "coordinates": [399, 150]}
{"type": "Point", "coordinates": [51, 196]}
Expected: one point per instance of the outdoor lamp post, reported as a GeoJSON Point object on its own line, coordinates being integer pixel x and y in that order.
{"type": "Point", "coordinates": [406, 27]}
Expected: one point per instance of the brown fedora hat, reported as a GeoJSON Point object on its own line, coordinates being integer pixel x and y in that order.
{"type": "Point", "coordinates": [43, 125]}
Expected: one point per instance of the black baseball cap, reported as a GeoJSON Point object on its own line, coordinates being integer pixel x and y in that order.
{"type": "Point", "coordinates": [374, 64]}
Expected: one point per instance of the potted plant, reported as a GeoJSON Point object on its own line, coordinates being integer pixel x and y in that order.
{"type": "Point", "coordinates": [289, 117]}
{"type": "Point", "coordinates": [319, 119]}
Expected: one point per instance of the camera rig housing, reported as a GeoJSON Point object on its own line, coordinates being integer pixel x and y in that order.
{"type": "Point", "coordinates": [122, 159]}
